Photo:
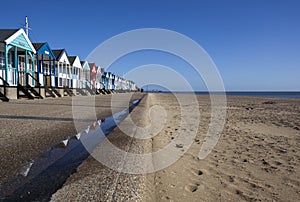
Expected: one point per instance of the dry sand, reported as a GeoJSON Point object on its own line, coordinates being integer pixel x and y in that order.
{"type": "Point", "coordinates": [29, 127]}
{"type": "Point", "coordinates": [256, 159]}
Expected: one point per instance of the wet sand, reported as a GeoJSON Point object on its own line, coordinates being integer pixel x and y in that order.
{"type": "Point", "coordinates": [257, 157]}
{"type": "Point", "coordinates": [30, 127]}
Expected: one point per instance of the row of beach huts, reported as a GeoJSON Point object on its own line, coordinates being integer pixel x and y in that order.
{"type": "Point", "coordinates": [35, 70]}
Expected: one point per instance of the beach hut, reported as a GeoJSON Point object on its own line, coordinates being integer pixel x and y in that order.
{"type": "Point", "coordinates": [64, 74]}
{"type": "Point", "coordinates": [105, 79]}
{"type": "Point", "coordinates": [93, 75]}
{"type": "Point", "coordinates": [76, 70]}
{"type": "Point", "coordinates": [117, 82]}
{"type": "Point", "coordinates": [110, 80]}
{"type": "Point", "coordinates": [99, 82]}
{"type": "Point", "coordinates": [64, 79]}
{"type": "Point", "coordinates": [113, 81]}
{"type": "Point", "coordinates": [132, 86]}
{"type": "Point", "coordinates": [45, 64]}
{"type": "Point", "coordinates": [127, 85]}
{"type": "Point", "coordinates": [122, 83]}
{"type": "Point", "coordinates": [85, 78]}
{"type": "Point", "coordinates": [16, 62]}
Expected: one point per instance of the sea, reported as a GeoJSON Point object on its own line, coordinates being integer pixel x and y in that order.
{"type": "Point", "coordinates": [266, 94]}
{"type": "Point", "coordinates": [275, 94]}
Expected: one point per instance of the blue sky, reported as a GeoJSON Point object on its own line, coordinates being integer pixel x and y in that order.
{"type": "Point", "coordinates": [254, 44]}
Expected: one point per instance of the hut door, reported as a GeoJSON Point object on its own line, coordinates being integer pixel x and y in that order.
{"type": "Point", "coordinates": [21, 65]}
{"type": "Point", "coordinates": [48, 80]}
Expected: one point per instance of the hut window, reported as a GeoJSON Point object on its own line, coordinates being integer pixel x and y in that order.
{"type": "Point", "coordinates": [21, 63]}
{"type": "Point", "coordinates": [35, 66]}
{"type": "Point", "coordinates": [46, 68]}
{"type": "Point", "coordinates": [53, 70]}
{"type": "Point", "coordinates": [10, 60]}
{"type": "Point", "coordinates": [59, 68]}
{"type": "Point", "coordinates": [64, 69]}
{"type": "Point", "coordinates": [60, 82]}
{"type": "Point", "coordinates": [30, 64]}
{"type": "Point", "coordinates": [2, 59]}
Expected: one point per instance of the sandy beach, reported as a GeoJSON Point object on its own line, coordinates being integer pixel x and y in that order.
{"type": "Point", "coordinates": [256, 159]}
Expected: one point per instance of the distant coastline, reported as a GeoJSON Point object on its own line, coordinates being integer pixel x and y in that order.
{"type": "Point", "coordinates": [275, 94]}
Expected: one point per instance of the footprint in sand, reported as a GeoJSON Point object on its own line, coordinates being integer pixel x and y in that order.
{"type": "Point", "coordinates": [238, 192]}
{"type": "Point", "coordinates": [200, 172]}
{"type": "Point", "coordinates": [197, 172]}
{"type": "Point", "coordinates": [278, 163]}
{"type": "Point", "coordinates": [166, 198]}
{"type": "Point", "coordinates": [231, 178]}
{"type": "Point", "coordinates": [172, 185]}
{"type": "Point", "coordinates": [191, 187]}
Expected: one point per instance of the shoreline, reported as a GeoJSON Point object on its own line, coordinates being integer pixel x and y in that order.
{"type": "Point", "coordinates": [269, 94]}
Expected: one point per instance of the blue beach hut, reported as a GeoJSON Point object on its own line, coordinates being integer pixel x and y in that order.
{"type": "Point", "coordinates": [106, 80]}
{"type": "Point", "coordinates": [45, 64]}
{"type": "Point", "coordinates": [16, 59]}
{"type": "Point", "coordinates": [113, 81]}
{"type": "Point", "coordinates": [17, 55]}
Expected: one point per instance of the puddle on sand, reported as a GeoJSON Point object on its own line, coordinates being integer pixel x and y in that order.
{"type": "Point", "coordinates": [40, 178]}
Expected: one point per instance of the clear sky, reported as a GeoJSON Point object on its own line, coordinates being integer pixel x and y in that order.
{"type": "Point", "coordinates": [255, 44]}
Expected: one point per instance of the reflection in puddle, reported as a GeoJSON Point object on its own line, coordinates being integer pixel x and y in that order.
{"type": "Point", "coordinates": [78, 136]}
{"type": "Point", "coordinates": [62, 144]}
{"type": "Point", "coordinates": [39, 179]}
{"type": "Point", "coordinates": [25, 169]}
